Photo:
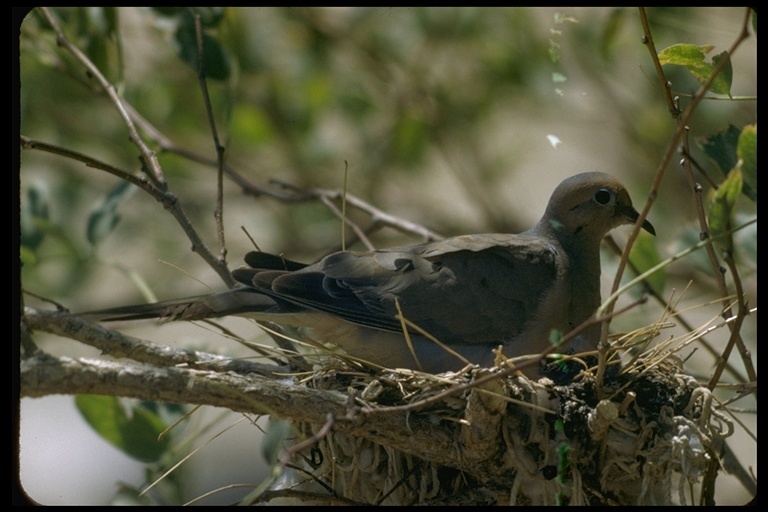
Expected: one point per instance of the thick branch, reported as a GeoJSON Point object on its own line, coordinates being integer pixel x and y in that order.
{"type": "Point", "coordinates": [416, 435]}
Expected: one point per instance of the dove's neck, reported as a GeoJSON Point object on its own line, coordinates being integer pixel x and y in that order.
{"type": "Point", "coordinates": [582, 253]}
{"type": "Point", "coordinates": [584, 274]}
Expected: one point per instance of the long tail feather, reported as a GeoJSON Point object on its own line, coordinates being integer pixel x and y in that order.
{"type": "Point", "coordinates": [231, 302]}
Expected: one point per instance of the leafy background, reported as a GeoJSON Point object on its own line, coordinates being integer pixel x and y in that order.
{"type": "Point", "coordinates": [462, 120]}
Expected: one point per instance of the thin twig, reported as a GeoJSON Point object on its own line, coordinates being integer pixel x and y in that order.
{"type": "Point", "coordinates": [201, 78]}
{"type": "Point", "coordinates": [149, 158]}
{"type": "Point", "coordinates": [169, 201]}
{"type": "Point", "coordinates": [685, 324]}
{"type": "Point", "coordinates": [151, 166]}
{"type": "Point", "coordinates": [118, 345]}
{"type": "Point", "coordinates": [682, 120]}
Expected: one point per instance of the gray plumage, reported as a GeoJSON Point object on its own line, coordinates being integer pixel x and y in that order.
{"type": "Point", "coordinates": [471, 292]}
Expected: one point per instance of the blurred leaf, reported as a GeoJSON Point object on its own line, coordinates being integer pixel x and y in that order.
{"type": "Point", "coordinates": [355, 104]}
{"type": "Point", "coordinates": [216, 64]}
{"type": "Point", "coordinates": [317, 90]}
{"type": "Point", "coordinates": [252, 125]}
{"type": "Point", "coordinates": [210, 16]}
{"type": "Point", "coordinates": [721, 211]}
{"type": "Point", "coordinates": [167, 411]}
{"type": "Point", "coordinates": [104, 217]}
{"type": "Point", "coordinates": [611, 31]}
{"type": "Point", "coordinates": [27, 256]}
{"type": "Point", "coordinates": [693, 57]}
{"type": "Point", "coordinates": [97, 32]}
{"type": "Point", "coordinates": [747, 152]}
{"type": "Point", "coordinates": [274, 439]}
{"type": "Point", "coordinates": [554, 51]}
{"type": "Point", "coordinates": [562, 18]}
{"type": "Point", "coordinates": [721, 147]}
{"type": "Point", "coordinates": [136, 435]}
{"type": "Point", "coordinates": [33, 215]}
{"type": "Point", "coordinates": [167, 12]}
{"type": "Point", "coordinates": [36, 227]}
{"type": "Point", "coordinates": [102, 20]}
{"type": "Point", "coordinates": [698, 260]}
{"type": "Point", "coordinates": [410, 138]}
{"type": "Point", "coordinates": [644, 256]}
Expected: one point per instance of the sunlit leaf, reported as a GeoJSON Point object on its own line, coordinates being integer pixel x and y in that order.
{"type": "Point", "coordinates": [693, 58]}
{"type": "Point", "coordinates": [747, 152]}
{"type": "Point", "coordinates": [721, 211]}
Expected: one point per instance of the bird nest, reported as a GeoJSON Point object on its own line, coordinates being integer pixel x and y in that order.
{"type": "Point", "coordinates": [645, 437]}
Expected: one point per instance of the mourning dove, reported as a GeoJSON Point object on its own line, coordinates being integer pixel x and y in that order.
{"type": "Point", "coordinates": [472, 293]}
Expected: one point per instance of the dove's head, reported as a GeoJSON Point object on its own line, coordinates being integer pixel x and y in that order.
{"type": "Point", "coordinates": [587, 206]}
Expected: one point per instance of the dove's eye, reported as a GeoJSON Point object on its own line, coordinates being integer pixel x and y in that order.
{"type": "Point", "coordinates": [604, 197]}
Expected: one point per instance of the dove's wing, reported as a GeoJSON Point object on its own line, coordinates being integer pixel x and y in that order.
{"type": "Point", "coordinates": [468, 289]}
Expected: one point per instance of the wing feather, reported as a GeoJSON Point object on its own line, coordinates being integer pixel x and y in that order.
{"type": "Point", "coordinates": [439, 286]}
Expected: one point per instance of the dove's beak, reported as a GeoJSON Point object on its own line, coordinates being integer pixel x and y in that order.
{"type": "Point", "coordinates": [633, 215]}
{"type": "Point", "coordinates": [649, 227]}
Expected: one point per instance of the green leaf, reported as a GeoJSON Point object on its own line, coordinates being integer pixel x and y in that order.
{"type": "Point", "coordinates": [355, 105]}
{"type": "Point", "coordinates": [644, 256]}
{"type": "Point", "coordinates": [274, 439]}
{"type": "Point", "coordinates": [135, 434]}
{"type": "Point", "coordinates": [747, 152]}
{"type": "Point", "coordinates": [688, 55]}
{"type": "Point", "coordinates": [554, 51]}
{"type": "Point", "coordinates": [33, 216]}
{"type": "Point", "coordinates": [721, 147]}
{"type": "Point", "coordinates": [98, 36]}
{"type": "Point", "coordinates": [216, 65]}
{"type": "Point", "coordinates": [721, 211]}
{"type": "Point", "coordinates": [409, 140]}
{"type": "Point", "coordinates": [104, 217]}
{"type": "Point", "coordinates": [611, 31]}
{"type": "Point", "coordinates": [693, 58]}
{"type": "Point", "coordinates": [167, 12]}
{"type": "Point", "coordinates": [252, 124]}
{"type": "Point", "coordinates": [27, 256]}
{"type": "Point", "coordinates": [210, 16]}
{"type": "Point", "coordinates": [724, 80]}
{"type": "Point", "coordinates": [555, 337]}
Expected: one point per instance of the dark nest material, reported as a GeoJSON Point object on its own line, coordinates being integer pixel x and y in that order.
{"type": "Point", "coordinates": [652, 437]}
